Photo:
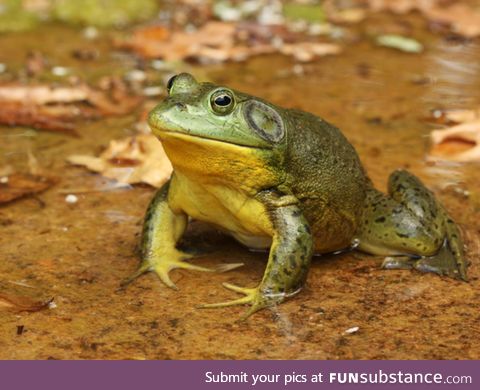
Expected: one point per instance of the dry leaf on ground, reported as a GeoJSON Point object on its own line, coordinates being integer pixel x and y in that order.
{"type": "Point", "coordinates": [460, 142]}
{"type": "Point", "coordinates": [19, 304]}
{"type": "Point", "coordinates": [463, 19]}
{"type": "Point", "coordinates": [222, 41]}
{"type": "Point", "coordinates": [16, 185]}
{"type": "Point", "coordinates": [138, 159]}
{"type": "Point", "coordinates": [58, 108]}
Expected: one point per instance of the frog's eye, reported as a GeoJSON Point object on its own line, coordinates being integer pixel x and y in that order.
{"type": "Point", "coordinates": [222, 102]}
{"type": "Point", "coordinates": [170, 82]}
{"type": "Point", "coordinates": [264, 120]}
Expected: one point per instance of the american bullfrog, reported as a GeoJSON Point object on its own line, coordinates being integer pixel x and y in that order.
{"type": "Point", "coordinates": [287, 181]}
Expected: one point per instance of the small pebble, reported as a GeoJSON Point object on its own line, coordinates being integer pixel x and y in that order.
{"type": "Point", "coordinates": [60, 71]}
{"type": "Point", "coordinates": [352, 330]}
{"type": "Point", "coordinates": [153, 91]}
{"type": "Point", "coordinates": [3, 67]}
{"type": "Point", "coordinates": [70, 198]}
{"type": "Point", "coordinates": [90, 32]}
{"type": "Point", "coordinates": [136, 75]}
{"type": "Point", "coordinates": [52, 305]}
{"type": "Point", "coordinates": [4, 179]}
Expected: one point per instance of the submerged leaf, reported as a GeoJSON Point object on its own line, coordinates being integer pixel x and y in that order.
{"type": "Point", "coordinates": [457, 143]}
{"type": "Point", "coordinates": [460, 142]}
{"type": "Point", "coordinates": [15, 186]}
{"type": "Point", "coordinates": [20, 304]}
{"type": "Point", "coordinates": [398, 42]}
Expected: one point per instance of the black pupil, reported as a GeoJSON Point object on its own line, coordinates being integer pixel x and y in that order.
{"type": "Point", "coordinates": [223, 100]}
{"type": "Point", "coordinates": [170, 83]}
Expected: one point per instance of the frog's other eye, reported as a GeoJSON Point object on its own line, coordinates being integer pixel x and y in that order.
{"type": "Point", "coordinates": [170, 82]}
{"type": "Point", "coordinates": [222, 102]}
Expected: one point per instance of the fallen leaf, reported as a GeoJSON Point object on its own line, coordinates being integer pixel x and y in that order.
{"type": "Point", "coordinates": [457, 143]}
{"type": "Point", "coordinates": [16, 185]}
{"type": "Point", "coordinates": [401, 6]}
{"type": "Point", "coordinates": [308, 51]}
{"type": "Point", "coordinates": [21, 304]}
{"type": "Point", "coordinates": [39, 117]}
{"type": "Point", "coordinates": [58, 108]}
{"type": "Point", "coordinates": [138, 159]}
{"type": "Point", "coordinates": [220, 42]}
{"type": "Point", "coordinates": [398, 42]}
{"type": "Point", "coordinates": [463, 19]}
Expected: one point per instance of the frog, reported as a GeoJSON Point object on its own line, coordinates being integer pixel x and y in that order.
{"type": "Point", "coordinates": [285, 181]}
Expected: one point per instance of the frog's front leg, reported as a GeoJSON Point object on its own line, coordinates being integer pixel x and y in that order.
{"type": "Point", "coordinates": [289, 258]}
{"type": "Point", "coordinates": [162, 229]}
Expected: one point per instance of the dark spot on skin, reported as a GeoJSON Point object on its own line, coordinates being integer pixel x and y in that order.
{"type": "Point", "coordinates": [293, 261]}
{"type": "Point", "coordinates": [380, 220]}
{"type": "Point", "coordinates": [296, 213]}
{"type": "Point", "coordinates": [402, 235]}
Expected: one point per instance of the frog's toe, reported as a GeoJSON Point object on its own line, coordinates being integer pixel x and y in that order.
{"type": "Point", "coordinates": [398, 262]}
{"type": "Point", "coordinates": [253, 297]}
{"type": "Point", "coordinates": [248, 298]}
{"type": "Point", "coordinates": [444, 262]}
{"type": "Point", "coordinates": [164, 264]}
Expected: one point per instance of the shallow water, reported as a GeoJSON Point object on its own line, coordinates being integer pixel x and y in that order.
{"type": "Point", "coordinates": [79, 253]}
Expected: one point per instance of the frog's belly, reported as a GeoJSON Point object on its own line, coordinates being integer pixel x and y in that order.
{"type": "Point", "coordinates": [243, 217]}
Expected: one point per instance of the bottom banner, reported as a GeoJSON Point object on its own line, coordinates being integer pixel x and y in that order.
{"type": "Point", "coordinates": [129, 375]}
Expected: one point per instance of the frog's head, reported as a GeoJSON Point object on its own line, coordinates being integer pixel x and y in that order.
{"type": "Point", "coordinates": [216, 113]}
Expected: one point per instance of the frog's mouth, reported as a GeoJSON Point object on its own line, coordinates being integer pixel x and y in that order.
{"type": "Point", "coordinates": [164, 134]}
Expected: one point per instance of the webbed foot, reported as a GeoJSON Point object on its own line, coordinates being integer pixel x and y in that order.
{"type": "Point", "coordinates": [162, 265]}
{"type": "Point", "coordinates": [444, 262]}
{"type": "Point", "coordinates": [253, 297]}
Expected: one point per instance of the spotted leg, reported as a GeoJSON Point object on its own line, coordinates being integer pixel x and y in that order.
{"type": "Point", "coordinates": [289, 257]}
{"type": "Point", "coordinates": [162, 229]}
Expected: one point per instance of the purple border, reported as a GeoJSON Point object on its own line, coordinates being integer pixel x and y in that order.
{"type": "Point", "coordinates": [118, 375]}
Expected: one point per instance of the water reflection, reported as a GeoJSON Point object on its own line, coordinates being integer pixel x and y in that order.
{"type": "Point", "coordinates": [455, 71]}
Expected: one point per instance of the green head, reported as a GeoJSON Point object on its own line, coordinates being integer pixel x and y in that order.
{"type": "Point", "coordinates": [217, 113]}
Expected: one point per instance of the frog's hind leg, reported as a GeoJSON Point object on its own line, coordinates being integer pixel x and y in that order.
{"type": "Point", "coordinates": [413, 226]}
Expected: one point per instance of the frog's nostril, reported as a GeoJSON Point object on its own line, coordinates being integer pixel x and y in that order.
{"type": "Point", "coordinates": [181, 106]}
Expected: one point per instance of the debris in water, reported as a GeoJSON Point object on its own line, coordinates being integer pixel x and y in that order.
{"type": "Point", "coordinates": [352, 330]}
{"type": "Point", "coordinates": [20, 304]}
{"type": "Point", "coordinates": [398, 42]}
{"type": "Point", "coordinates": [17, 185]}
{"type": "Point", "coordinates": [460, 142]}
{"type": "Point", "coordinates": [71, 199]}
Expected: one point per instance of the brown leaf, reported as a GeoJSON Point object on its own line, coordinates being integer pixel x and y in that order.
{"type": "Point", "coordinates": [138, 159]}
{"type": "Point", "coordinates": [21, 304]}
{"type": "Point", "coordinates": [16, 185]}
{"type": "Point", "coordinates": [58, 108]}
{"type": "Point", "coordinates": [462, 18]}
{"type": "Point", "coordinates": [458, 143]}
{"type": "Point", "coordinates": [38, 117]}
{"type": "Point", "coordinates": [220, 42]}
